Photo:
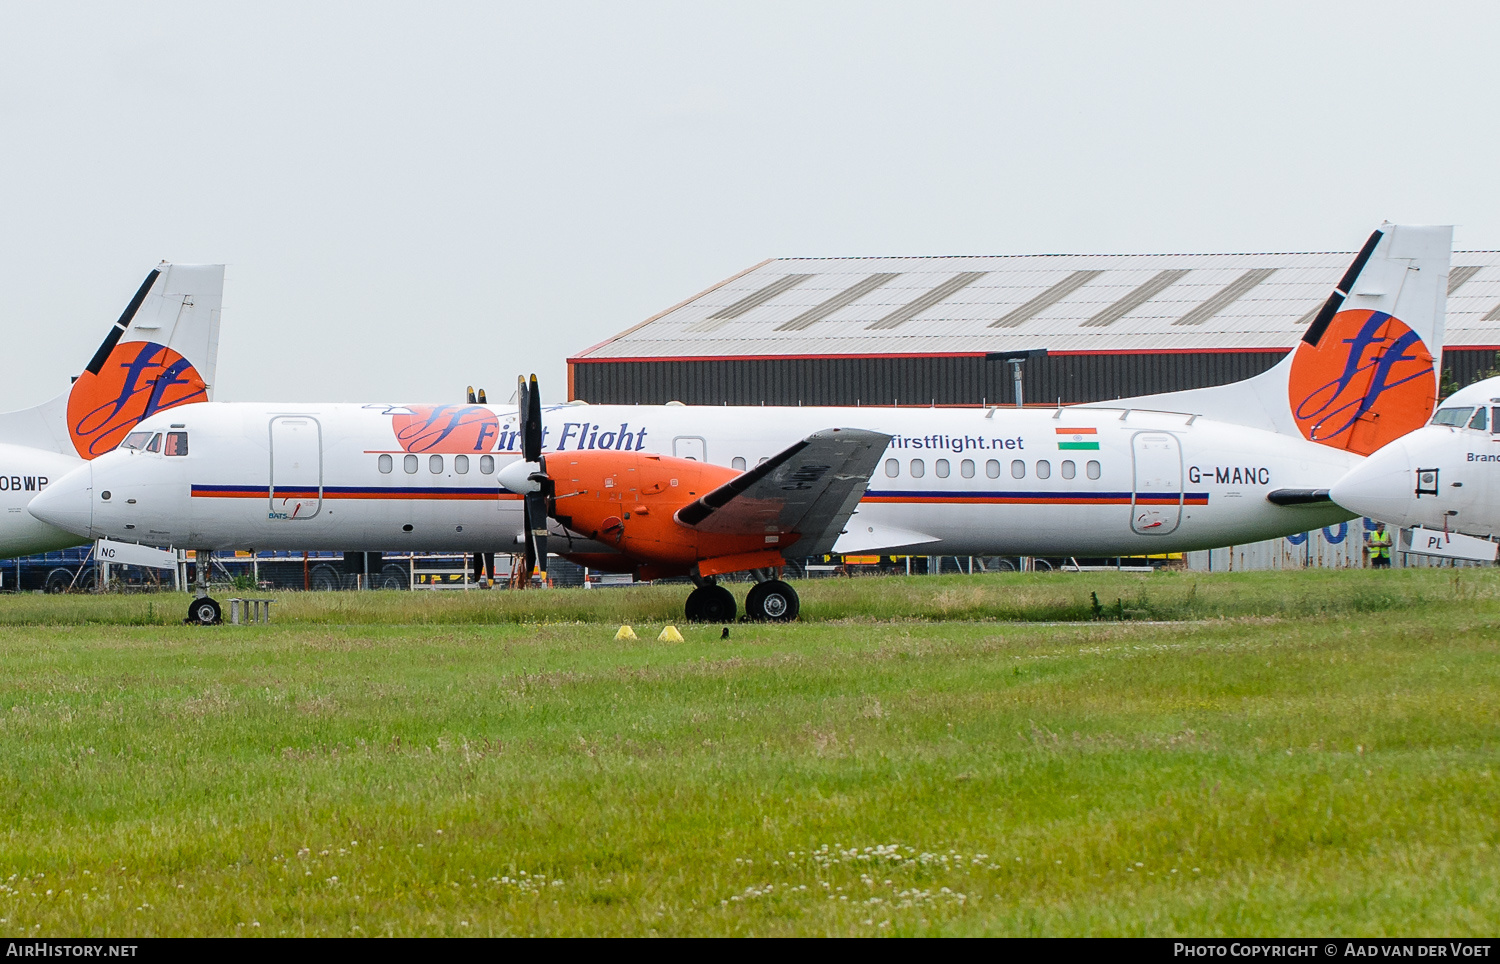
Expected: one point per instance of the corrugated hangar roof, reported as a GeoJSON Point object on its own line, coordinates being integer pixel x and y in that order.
{"type": "Point", "coordinates": [1061, 302]}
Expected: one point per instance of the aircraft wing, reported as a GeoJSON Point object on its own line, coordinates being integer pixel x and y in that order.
{"type": "Point", "coordinates": [810, 488]}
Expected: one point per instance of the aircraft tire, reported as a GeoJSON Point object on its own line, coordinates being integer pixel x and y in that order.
{"type": "Point", "coordinates": [711, 604]}
{"type": "Point", "coordinates": [772, 602]}
{"type": "Point", "coordinates": [204, 612]}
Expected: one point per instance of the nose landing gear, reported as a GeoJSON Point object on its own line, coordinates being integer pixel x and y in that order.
{"type": "Point", "coordinates": [203, 611]}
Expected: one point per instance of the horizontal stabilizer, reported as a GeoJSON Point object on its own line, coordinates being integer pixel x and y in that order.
{"type": "Point", "coordinates": [1298, 496]}
{"type": "Point", "coordinates": [1448, 545]}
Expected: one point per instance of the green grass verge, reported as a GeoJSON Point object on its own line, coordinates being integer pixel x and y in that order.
{"type": "Point", "coordinates": [1304, 753]}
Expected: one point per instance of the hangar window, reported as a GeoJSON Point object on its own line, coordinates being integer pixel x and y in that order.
{"type": "Point", "coordinates": [941, 468]}
{"type": "Point", "coordinates": [892, 468]}
{"type": "Point", "coordinates": [435, 464]}
{"type": "Point", "coordinates": [461, 464]}
{"type": "Point", "coordinates": [738, 463]}
{"type": "Point", "coordinates": [992, 469]}
{"type": "Point", "coordinates": [486, 465]}
{"type": "Point", "coordinates": [1018, 469]}
{"type": "Point", "coordinates": [1479, 422]}
{"type": "Point", "coordinates": [1452, 417]}
{"type": "Point", "coordinates": [1044, 469]}
{"type": "Point", "coordinates": [155, 444]}
{"type": "Point", "coordinates": [385, 463]}
{"type": "Point", "coordinates": [409, 465]}
{"type": "Point", "coordinates": [1069, 469]}
{"type": "Point", "coordinates": [177, 443]}
{"type": "Point", "coordinates": [918, 468]}
{"type": "Point", "coordinates": [966, 468]}
{"type": "Point", "coordinates": [1092, 469]}
{"type": "Point", "coordinates": [136, 440]}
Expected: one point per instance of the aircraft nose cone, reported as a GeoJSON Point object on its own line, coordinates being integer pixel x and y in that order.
{"type": "Point", "coordinates": [68, 503]}
{"type": "Point", "coordinates": [1381, 487]}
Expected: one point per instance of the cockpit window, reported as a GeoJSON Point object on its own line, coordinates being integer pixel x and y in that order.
{"type": "Point", "coordinates": [1480, 421]}
{"type": "Point", "coordinates": [176, 443]}
{"type": "Point", "coordinates": [1452, 417]}
{"type": "Point", "coordinates": [155, 444]}
{"type": "Point", "coordinates": [136, 440]}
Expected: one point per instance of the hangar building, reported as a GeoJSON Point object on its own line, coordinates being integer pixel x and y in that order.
{"type": "Point", "coordinates": [918, 331]}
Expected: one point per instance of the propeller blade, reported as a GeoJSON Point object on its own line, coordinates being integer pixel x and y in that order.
{"type": "Point", "coordinates": [531, 442]}
{"type": "Point", "coordinates": [482, 399]}
{"type": "Point", "coordinates": [536, 532]}
{"type": "Point", "coordinates": [471, 394]}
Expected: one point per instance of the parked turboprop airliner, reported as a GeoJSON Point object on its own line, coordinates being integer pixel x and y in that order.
{"type": "Point", "coordinates": [1445, 476]}
{"type": "Point", "coordinates": [704, 491]}
{"type": "Point", "coordinates": [159, 355]}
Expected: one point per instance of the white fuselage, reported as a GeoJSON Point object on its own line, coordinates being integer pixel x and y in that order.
{"type": "Point", "coordinates": [1443, 476]}
{"type": "Point", "coordinates": [1084, 482]}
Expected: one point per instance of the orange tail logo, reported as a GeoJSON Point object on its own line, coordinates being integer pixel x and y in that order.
{"type": "Point", "coordinates": [446, 428]}
{"type": "Point", "coordinates": [139, 379]}
{"type": "Point", "coordinates": [1369, 380]}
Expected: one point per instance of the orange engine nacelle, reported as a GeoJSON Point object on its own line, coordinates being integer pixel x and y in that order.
{"type": "Point", "coordinates": [628, 500]}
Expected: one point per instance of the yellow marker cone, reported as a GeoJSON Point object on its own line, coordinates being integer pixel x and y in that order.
{"type": "Point", "coordinates": [669, 635]}
{"type": "Point", "coordinates": [625, 633]}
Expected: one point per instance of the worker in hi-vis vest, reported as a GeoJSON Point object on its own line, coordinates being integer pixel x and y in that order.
{"type": "Point", "coordinates": [1378, 547]}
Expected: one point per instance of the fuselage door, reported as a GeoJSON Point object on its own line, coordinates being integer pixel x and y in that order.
{"type": "Point", "coordinates": [296, 467]}
{"type": "Point", "coordinates": [690, 447]}
{"type": "Point", "coordinates": [1156, 503]}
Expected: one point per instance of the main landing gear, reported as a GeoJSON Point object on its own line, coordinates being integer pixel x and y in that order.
{"type": "Point", "coordinates": [772, 601]}
{"type": "Point", "coordinates": [711, 603]}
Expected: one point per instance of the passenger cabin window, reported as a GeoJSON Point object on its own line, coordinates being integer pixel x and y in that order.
{"type": "Point", "coordinates": [385, 463]}
{"type": "Point", "coordinates": [1452, 417]}
{"type": "Point", "coordinates": [992, 469]}
{"type": "Point", "coordinates": [461, 464]}
{"type": "Point", "coordinates": [738, 463]}
{"type": "Point", "coordinates": [1018, 469]}
{"type": "Point", "coordinates": [486, 464]}
{"type": "Point", "coordinates": [1495, 420]}
{"type": "Point", "coordinates": [1044, 469]}
{"type": "Point", "coordinates": [1480, 421]}
{"type": "Point", "coordinates": [136, 440]}
{"type": "Point", "coordinates": [177, 443]}
{"type": "Point", "coordinates": [918, 468]}
{"type": "Point", "coordinates": [941, 467]}
{"type": "Point", "coordinates": [155, 444]}
{"type": "Point", "coordinates": [1092, 469]}
{"type": "Point", "coordinates": [892, 468]}
{"type": "Point", "coordinates": [966, 468]}
{"type": "Point", "coordinates": [409, 465]}
{"type": "Point", "coordinates": [435, 464]}
{"type": "Point", "coordinates": [1069, 469]}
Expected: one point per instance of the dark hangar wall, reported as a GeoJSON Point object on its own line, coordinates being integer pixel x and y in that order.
{"type": "Point", "coordinates": [963, 380]}
{"type": "Point", "coordinates": [947, 380]}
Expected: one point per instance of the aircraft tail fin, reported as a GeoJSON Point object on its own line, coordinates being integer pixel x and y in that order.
{"type": "Point", "coordinates": [1366, 370]}
{"type": "Point", "coordinates": [161, 353]}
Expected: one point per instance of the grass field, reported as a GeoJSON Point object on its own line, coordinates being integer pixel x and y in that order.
{"type": "Point", "coordinates": [1260, 753]}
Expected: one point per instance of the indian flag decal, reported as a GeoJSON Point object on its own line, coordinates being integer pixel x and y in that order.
{"type": "Point", "coordinates": [1078, 439]}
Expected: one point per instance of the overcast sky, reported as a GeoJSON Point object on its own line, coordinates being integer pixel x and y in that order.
{"type": "Point", "coordinates": [415, 197]}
